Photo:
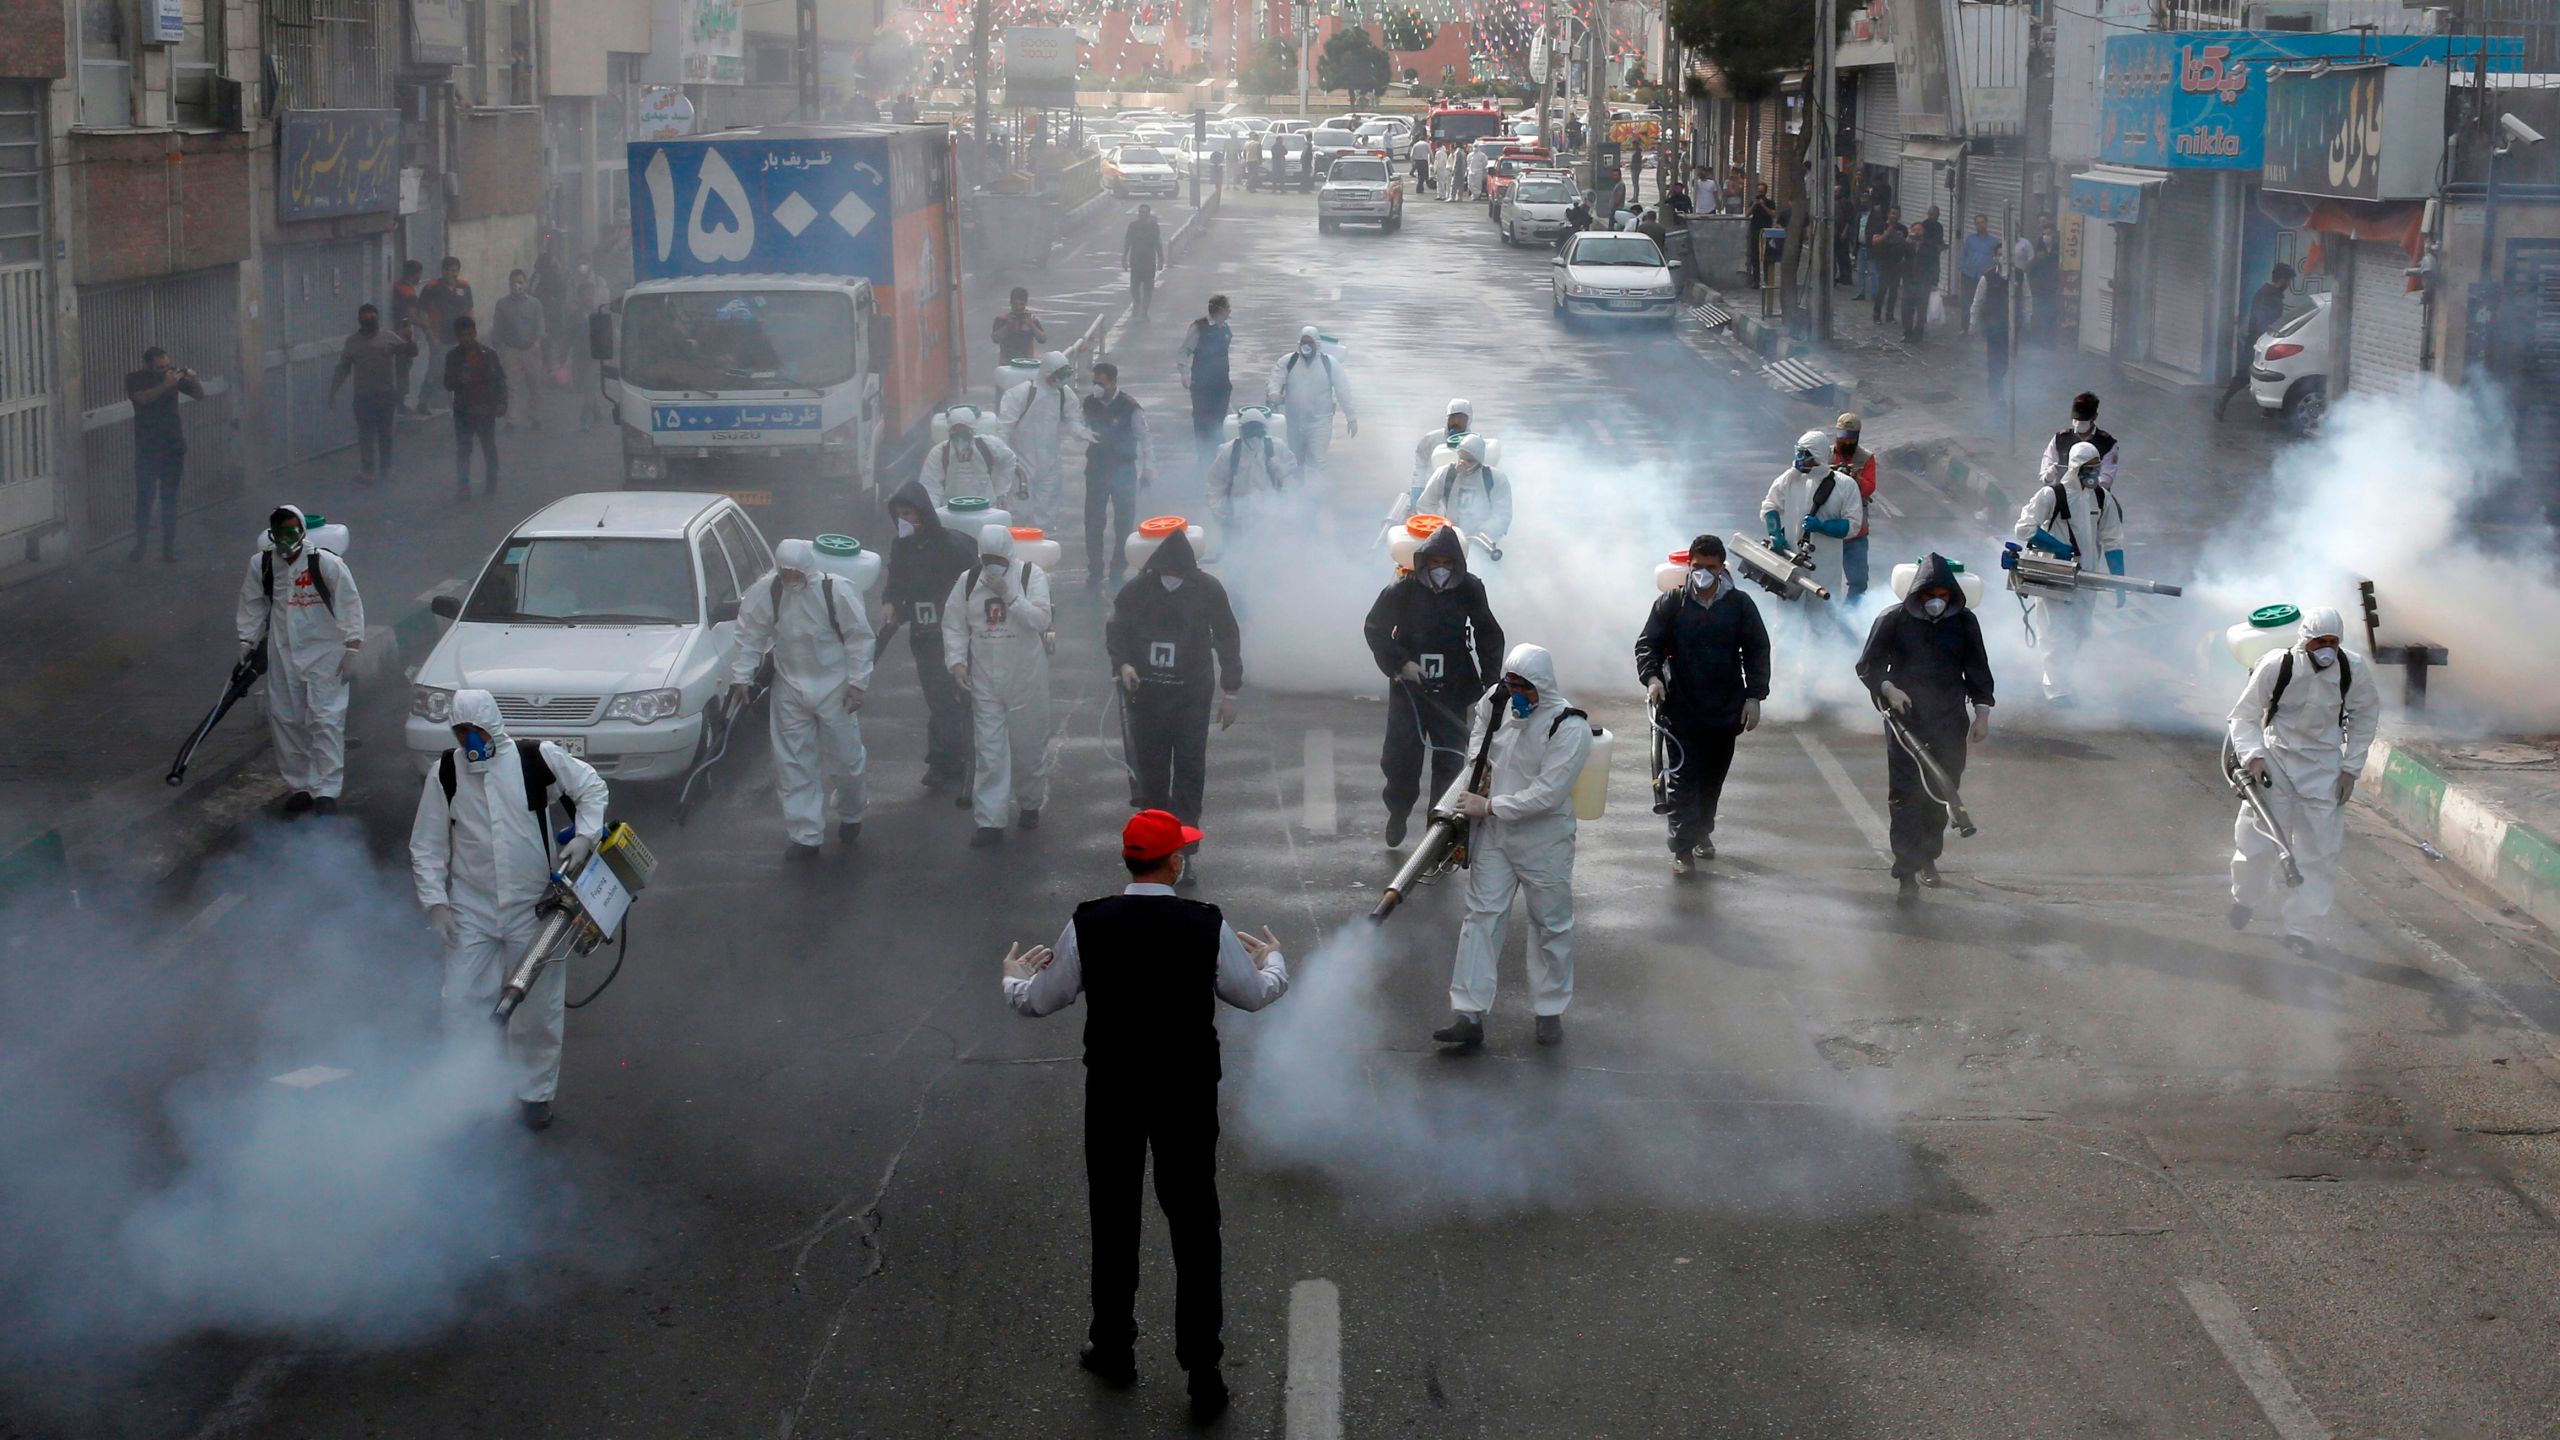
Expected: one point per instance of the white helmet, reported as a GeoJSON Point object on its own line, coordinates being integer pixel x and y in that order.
{"type": "Point", "coordinates": [2082, 454]}
{"type": "Point", "coordinates": [1473, 448]}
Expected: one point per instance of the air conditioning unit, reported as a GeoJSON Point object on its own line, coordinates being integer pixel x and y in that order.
{"type": "Point", "coordinates": [230, 103]}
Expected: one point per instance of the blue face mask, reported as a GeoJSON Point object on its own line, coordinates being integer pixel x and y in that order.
{"type": "Point", "coordinates": [1521, 705]}
{"type": "Point", "coordinates": [476, 745]}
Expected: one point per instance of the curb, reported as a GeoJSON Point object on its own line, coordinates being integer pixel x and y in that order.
{"type": "Point", "coordinates": [1770, 340]}
{"type": "Point", "coordinates": [2516, 861]}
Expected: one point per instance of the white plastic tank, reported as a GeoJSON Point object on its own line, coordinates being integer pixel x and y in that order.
{"type": "Point", "coordinates": [1273, 422]}
{"type": "Point", "coordinates": [1447, 454]}
{"type": "Point", "coordinates": [1330, 345]}
{"type": "Point", "coordinates": [844, 557]}
{"type": "Point", "coordinates": [1015, 372]}
{"type": "Point", "coordinates": [1404, 539]}
{"type": "Point", "coordinates": [965, 513]}
{"type": "Point", "coordinates": [1591, 782]}
{"type": "Point", "coordinates": [1673, 573]}
{"type": "Point", "coordinates": [1906, 574]}
{"type": "Point", "coordinates": [319, 532]}
{"type": "Point", "coordinates": [1034, 547]}
{"type": "Point", "coordinates": [2268, 629]}
{"type": "Point", "coordinates": [1152, 532]}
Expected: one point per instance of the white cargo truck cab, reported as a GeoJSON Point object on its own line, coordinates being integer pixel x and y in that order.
{"type": "Point", "coordinates": [722, 378]}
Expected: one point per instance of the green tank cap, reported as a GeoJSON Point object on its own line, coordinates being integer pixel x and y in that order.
{"type": "Point", "coordinates": [2269, 617]}
{"type": "Point", "coordinates": [838, 547]}
{"type": "Point", "coordinates": [313, 522]}
{"type": "Point", "coordinates": [1956, 565]}
{"type": "Point", "coordinates": [969, 504]}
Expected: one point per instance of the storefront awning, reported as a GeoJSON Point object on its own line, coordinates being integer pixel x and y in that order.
{"type": "Point", "coordinates": [2112, 193]}
{"type": "Point", "coordinates": [1931, 149]}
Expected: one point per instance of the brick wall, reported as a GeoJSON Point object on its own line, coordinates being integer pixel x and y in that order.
{"type": "Point", "coordinates": [144, 209]}
{"type": "Point", "coordinates": [32, 42]}
{"type": "Point", "coordinates": [499, 161]}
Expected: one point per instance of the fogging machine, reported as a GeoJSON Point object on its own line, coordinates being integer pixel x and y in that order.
{"type": "Point", "coordinates": [581, 911]}
{"type": "Point", "coordinates": [2247, 786]}
{"type": "Point", "coordinates": [2060, 579]}
{"type": "Point", "coordinates": [1787, 574]}
{"type": "Point", "coordinates": [1444, 845]}
{"type": "Point", "coordinates": [252, 667]}
{"type": "Point", "coordinates": [1933, 776]}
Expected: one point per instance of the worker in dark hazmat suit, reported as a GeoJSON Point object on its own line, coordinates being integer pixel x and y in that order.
{"type": "Point", "coordinates": [925, 559]}
{"type": "Point", "coordinates": [1433, 634]}
{"type": "Point", "coordinates": [1176, 654]}
{"type": "Point", "coordinates": [2301, 729]}
{"type": "Point", "coordinates": [1704, 661]}
{"type": "Point", "coordinates": [1924, 661]}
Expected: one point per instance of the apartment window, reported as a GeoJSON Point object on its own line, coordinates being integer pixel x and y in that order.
{"type": "Point", "coordinates": [196, 64]}
{"type": "Point", "coordinates": [21, 174]}
{"type": "Point", "coordinates": [106, 64]}
{"type": "Point", "coordinates": [330, 54]}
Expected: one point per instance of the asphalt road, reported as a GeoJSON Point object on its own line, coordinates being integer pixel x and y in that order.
{"type": "Point", "coordinates": [2054, 1153]}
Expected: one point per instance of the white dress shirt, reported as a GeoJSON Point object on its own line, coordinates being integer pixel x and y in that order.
{"type": "Point", "coordinates": [1239, 983]}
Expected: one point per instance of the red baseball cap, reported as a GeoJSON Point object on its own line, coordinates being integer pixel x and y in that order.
{"type": "Point", "coordinates": [1154, 834]}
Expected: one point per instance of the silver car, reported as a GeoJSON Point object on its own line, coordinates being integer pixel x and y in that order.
{"type": "Point", "coordinates": [1614, 275]}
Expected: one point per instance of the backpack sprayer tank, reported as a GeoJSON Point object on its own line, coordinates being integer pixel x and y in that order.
{"type": "Point", "coordinates": [581, 911]}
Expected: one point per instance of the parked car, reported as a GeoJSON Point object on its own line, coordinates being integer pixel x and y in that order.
{"type": "Point", "coordinates": [1534, 207]}
{"type": "Point", "coordinates": [1138, 170]}
{"type": "Point", "coordinates": [605, 623]}
{"type": "Point", "coordinates": [1392, 137]}
{"type": "Point", "coordinates": [1505, 167]}
{"type": "Point", "coordinates": [1614, 275]}
{"type": "Point", "coordinates": [1361, 190]}
{"type": "Point", "coordinates": [1333, 139]}
{"type": "Point", "coordinates": [2289, 371]}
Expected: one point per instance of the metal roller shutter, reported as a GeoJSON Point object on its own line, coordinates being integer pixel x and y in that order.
{"type": "Point", "coordinates": [2181, 268]}
{"type": "Point", "coordinates": [2533, 285]}
{"type": "Point", "coordinates": [2386, 325]}
{"type": "Point", "coordinates": [1992, 187]}
{"type": "Point", "coordinates": [2098, 241]}
{"type": "Point", "coordinates": [196, 318]}
{"type": "Point", "coordinates": [1879, 117]}
{"type": "Point", "coordinates": [1924, 183]}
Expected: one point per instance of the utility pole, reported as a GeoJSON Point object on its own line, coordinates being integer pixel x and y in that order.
{"type": "Point", "coordinates": [1598, 100]}
{"type": "Point", "coordinates": [1547, 80]}
{"type": "Point", "coordinates": [1823, 104]}
{"type": "Point", "coordinates": [805, 55]}
{"type": "Point", "coordinates": [1304, 13]}
{"type": "Point", "coordinates": [978, 72]}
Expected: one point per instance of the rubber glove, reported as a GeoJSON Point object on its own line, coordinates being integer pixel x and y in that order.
{"type": "Point", "coordinates": [1654, 691]}
{"type": "Point", "coordinates": [1896, 699]}
{"type": "Point", "coordinates": [247, 647]}
{"type": "Point", "coordinates": [740, 694]}
{"type": "Point", "coordinates": [2054, 544]}
{"type": "Point", "coordinates": [2346, 789]}
{"type": "Point", "coordinates": [448, 927]}
{"type": "Point", "coordinates": [1981, 730]}
{"type": "Point", "coordinates": [960, 674]}
{"type": "Point", "coordinates": [2115, 566]}
{"type": "Point", "coordinates": [575, 853]}
{"type": "Point", "coordinates": [1750, 715]}
{"type": "Point", "coordinates": [1350, 426]}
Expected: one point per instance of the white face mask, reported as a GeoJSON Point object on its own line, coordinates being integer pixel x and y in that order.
{"type": "Point", "coordinates": [1307, 348]}
{"type": "Point", "coordinates": [1704, 580]}
{"type": "Point", "coordinates": [2083, 427]}
{"type": "Point", "coordinates": [1171, 582]}
{"type": "Point", "coordinates": [906, 528]}
{"type": "Point", "coordinates": [2325, 656]}
{"type": "Point", "coordinates": [1934, 606]}
{"type": "Point", "coordinates": [1438, 577]}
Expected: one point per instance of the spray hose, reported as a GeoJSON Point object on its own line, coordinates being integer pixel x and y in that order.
{"type": "Point", "coordinates": [1413, 702]}
{"type": "Point", "coordinates": [1653, 717]}
{"type": "Point", "coordinates": [622, 952]}
{"type": "Point", "coordinates": [728, 724]}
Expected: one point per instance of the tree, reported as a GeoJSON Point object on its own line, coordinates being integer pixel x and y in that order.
{"type": "Point", "coordinates": [1272, 68]}
{"type": "Point", "coordinates": [1353, 63]}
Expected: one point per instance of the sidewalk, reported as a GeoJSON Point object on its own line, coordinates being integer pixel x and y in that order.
{"type": "Point", "coordinates": [2485, 806]}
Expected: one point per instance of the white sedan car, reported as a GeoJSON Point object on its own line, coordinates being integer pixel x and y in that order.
{"type": "Point", "coordinates": [605, 624]}
{"type": "Point", "coordinates": [1615, 275]}
{"type": "Point", "coordinates": [1138, 170]}
{"type": "Point", "coordinates": [1534, 207]}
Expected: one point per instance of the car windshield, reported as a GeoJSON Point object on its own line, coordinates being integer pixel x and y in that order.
{"type": "Point", "coordinates": [1358, 170]}
{"type": "Point", "coordinates": [737, 340]}
{"type": "Point", "coordinates": [1545, 192]}
{"type": "Point", "coordinates": [1457, 128]}
{"type": "Point", "coordinates": [582, 580]}
{"type": "Point", "coordinates": [1616, 250]}
{"type": "Point", "coordinates": [1140, 155]}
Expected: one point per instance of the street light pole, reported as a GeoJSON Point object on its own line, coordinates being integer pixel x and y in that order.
{"type": "Point", "coordinates": [1597, 101]}
{"type": "Point", "coordinates": [1304, 14]}
{"type": "Point", "coordinates": [1826, 91]}
{"type": "Point", "coordinates": [978, 71]}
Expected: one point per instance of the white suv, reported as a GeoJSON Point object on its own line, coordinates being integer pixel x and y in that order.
{"type": "Point", "coordinates": [604, 624]}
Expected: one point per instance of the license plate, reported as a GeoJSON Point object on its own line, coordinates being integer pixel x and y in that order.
{"type": "Point", "coordinates": [750, 497]}
{"type": "Point", "coordinates": [569, 744]}
{"type": "Point", "coordinates": [1626, 304]}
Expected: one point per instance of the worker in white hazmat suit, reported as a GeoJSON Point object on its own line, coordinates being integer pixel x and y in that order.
{"type": "Point", "coordinates": [2074, 518]}
{"type": "Point", "coordinates": [1039, 415]}
{"type": "Point", "coordinates": [991, 637]}
{"type": "Point", "coordinates": [1810, 500]}
{"type": "Point", "coordinates": [813, 625]}
{"type": "Point", "coordinates": [482, 852]}
{"type": "Point", "coordinates": [1249, 475]}
{"type": "Point", "coordinates": [1462, 417]}
{"type": "Point", "coordinates": [300, 601]}
{"type": "Point", "coordinates": [1520, 841]}
{"type": "Point", "coordinates": [967, 462]}
{"type": "Point", "coordinates": [1307, 386]}
{"type": "Point", "coordinates": [2302, 727]}
{"type": "Point", "coordinates": [1473, 496]}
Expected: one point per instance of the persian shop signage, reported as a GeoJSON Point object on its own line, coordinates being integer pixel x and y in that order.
{"type": "Point", "coordinates": [2372, 132]}
{"type": "Point", "coordinates": [2182, 101]}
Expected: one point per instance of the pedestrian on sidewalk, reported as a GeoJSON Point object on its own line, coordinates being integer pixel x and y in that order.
{"type": "Point", "coordinates": [1017, 332]}
{"type": "Point", "coordinates": [300, 603]}
{"type": "Point", "coordinates": [2265, 308]}
{"type": "Point", "coordinates": [1990, 317]}
{"type": "Point", "coordinates": [551, 289]}
{"type": "Point", "coordinates": [1919, 279]}
{"type": "Point", "coordinates": [1703, 659]}
{"type": "Point", "coordinates": [1175, 651]}
{"type": "Point", "coordinates": [1118, 462]}
{"type": "Point", "coordinates": [1764, 218]}
{"type": "Point", "coordinates": [2044, 287]}
{"type": "Point", "coordinates": [1979, 254]}
{"type": "Point", "coordinates": [1933, 250]}
{"type": "Point", "coordinates": [925, 559]}
{"type": "Point", "coordinates": [1152, 967]}
{"type": "Point", "coordinates": [444, 303]}
{"type": "Point", "coordinates": [1142, 255]}
{"type": "Point", "coordinates": [519, 334]}
{"type": "Point", "coordinates": [159, 445]}
{"type": "Point", "coordinates": [409, 325]}
{"type": "Point", "coordinates": [1421, 160]}
{"type": "Point", "coordinates": [1924, 661]}
{"type": "Point", "coordinates": [599, 353]}
{"type": "Point", "coordinates": [477, 381]}
{"type": "Point", "coordinates": [1203, 366]}
{"type": "Point", "coordinates": [822, 647]}
{"type": "Point", "coordinates": [2301, 729]}
{"type": "Point", "coordinates": [1889, 251]}
{"type": "Point", "coordinates": [374, 358]}
{"type": "Point", "coordinates": [995, 624]}
{"type": "Point", "coordinates": [1635, 174]}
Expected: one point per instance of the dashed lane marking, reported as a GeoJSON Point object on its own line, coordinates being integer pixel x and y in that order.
{"type": "Point", "coordinates": [2258, 1367]}
{"type": "Point", "coordinates": [1314, 1408]}
{"type": "Point", "coordinates": [1860, 808]}
{"type": "Point", "coordinates": [1317, 805]}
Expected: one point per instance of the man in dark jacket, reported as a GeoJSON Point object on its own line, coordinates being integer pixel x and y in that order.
{"type": "Point", "coordinates": [1704, 662]}
{"type": "Point", "coordinates": [1116, 463]}
{"type": "Point", "coordinates": [924, 561]}
{"type": "Point", "coordinates": [1167, 626]}
{"type": "Point", "coordinates": [2266, 307]}
{"type": "Point", "coordinates": [478, 384]}
{"type": "Point", "coordinates": [1924, 661]}
{"type": "Point", "coordinates": [1435, 639]}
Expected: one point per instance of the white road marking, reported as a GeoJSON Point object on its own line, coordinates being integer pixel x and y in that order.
{"type": "Point", "coordinates": [1318, 805]}
{"type": "Point", "coordinates": [1315, 1362]}
{"type": "Point", "coordinates": [2257, 1364]}
{"type": "Point", "coordinates": [309, 1076]}
{"type": "Point", "coordinates": [1860, 808]}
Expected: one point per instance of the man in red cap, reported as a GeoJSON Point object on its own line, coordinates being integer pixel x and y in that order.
{"type": "Point", "coordinates": [1148, 963]}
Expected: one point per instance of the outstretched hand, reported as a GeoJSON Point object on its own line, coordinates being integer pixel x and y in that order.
{"type": "Point", "coordinates": [1021, 964]}
{"type": "Point", "coordinates": [1261, 947]}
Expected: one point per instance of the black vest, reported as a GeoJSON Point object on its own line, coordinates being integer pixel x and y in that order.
{"type": "Point", "coordinates": [1150, 990]}
{"type": "Point", "coordinates": [2063, 440]}
{"type": "Point", "coordinates": [1114, 423]}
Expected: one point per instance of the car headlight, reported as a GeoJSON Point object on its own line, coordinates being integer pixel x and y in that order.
{"type": "Point", "coordinates": [642, 707]}
{"type": "Point", "coordinates": [1579, 292]}
{"type": "Point", "coordinates": [431, 704]}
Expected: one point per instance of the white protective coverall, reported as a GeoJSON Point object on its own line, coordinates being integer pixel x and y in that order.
{"type": "Point", "coordinates": [994, 627]}
{"type": "Point", "coordinates": [308, 659]}
{"type": "Point", "coordinates": [2087, 519]}
{"type": "Point", "coordinates": [1038, 416]}
{"type": "Point", "coordinates": [1790, 500]}
{"type": "Point", "coordinates": [2307, 750]}
{"type": "Point", "coordinates": [1247, 478]}
{"type": "Point", "coordinates": [1308, 389]}
{"type": "Point", "coordinates": [1526, 845]}
{"type": "Point", "coordinates": [489, 856]}
{"type": "Point", "coordinates": [821, 645]}
{"type": "Point", "coordinates": [1477, 501]}
{"type": "Point", "coordinates": [980, 465]}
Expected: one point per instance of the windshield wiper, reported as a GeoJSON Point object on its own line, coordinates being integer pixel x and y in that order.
{"type": "Point", "coordinates": [613, 617]}
{"type": "Point", "coordinates": [512, 617]}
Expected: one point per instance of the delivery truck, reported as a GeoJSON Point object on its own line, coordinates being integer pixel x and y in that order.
{"type": "Point", "coordinates": [797, 304]}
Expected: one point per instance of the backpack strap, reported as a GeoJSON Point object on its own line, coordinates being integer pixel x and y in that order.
{"type": "Point", "coordinates": [538, 779]}
{"type": "Point", "coordinates": [2284, 677]}
{"type": "Point", "coordinates": [1560, 719]}
{"type": "Point", "coordinates": [310, 567]}
{"type": "Point", "coordinates": [1822, 492]}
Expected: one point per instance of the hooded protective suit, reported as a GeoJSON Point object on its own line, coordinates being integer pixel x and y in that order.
{"type": "Point", "coordinates": [981, 465]}
{"type": "Point", "coordinates": [2319, 732]}
{"type": "Point", "coordinates": [1171, 634]}
{"type": "Point", "coordinates": [820, 641]}
{"type": "Point", "coordinates": [922, 567]}
{"type": "Point", "coordinates": [487, 856]}
{"type": "Point", "coordinates": [1940, 663]}
{"type": "Point", "coordinates": [309, 621]}
{"type": "Point", "coordinates": [1308, 389]}
{"type": "Point", "coordinates": [1038, 416]}
{"type": "Point", "coordinates": [1797, 505]}
{"type": "Point", "coordinates": [2083, 523]}
{"type": "Point", "coordinates": [1250, 474]}
{"type": "Point", "coordinates": [993, 626]}
{"type": "Point", "coordinates": [1450, 638]}
{"type": "Point", "coordinates": [1477, 501]}
{"type": "Point", "coordinates": [1526, 845]}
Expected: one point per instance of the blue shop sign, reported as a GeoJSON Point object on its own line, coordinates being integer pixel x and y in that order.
{"type": "Point", "coordinates": [2197, 100]}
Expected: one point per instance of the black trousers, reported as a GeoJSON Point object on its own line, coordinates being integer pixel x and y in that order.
{"type": "Point", "coordinates": [156, 474]}
{"type": "Point", "coordinates": [1888, 291]}
{"type": "Point", "coordinates": [1142, 291]}
{"type": "Point", "coordinates": [467, 427]}
{"type": "Point", "coordinates": [1918, 823]}
{"type": "Point", "coordinates": [1704, 758]}
{"type": "Point", "coordinates": [1110, 512]}
{"type": "Point", "coordinates": [1121, 1125]}
{"type": "Point", "coordinates": [1416, 721]}
{"type": "Point", "coordinates": [947, 742]}
{"type": "Point", "coordinates": [1915, 308]}
{"type": "Point", "coordinates": [1169, 746]}
{"type": "Point", "coordinates": [1209, 419]}
{"type": "Point", "coordinates": [374, 414]}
